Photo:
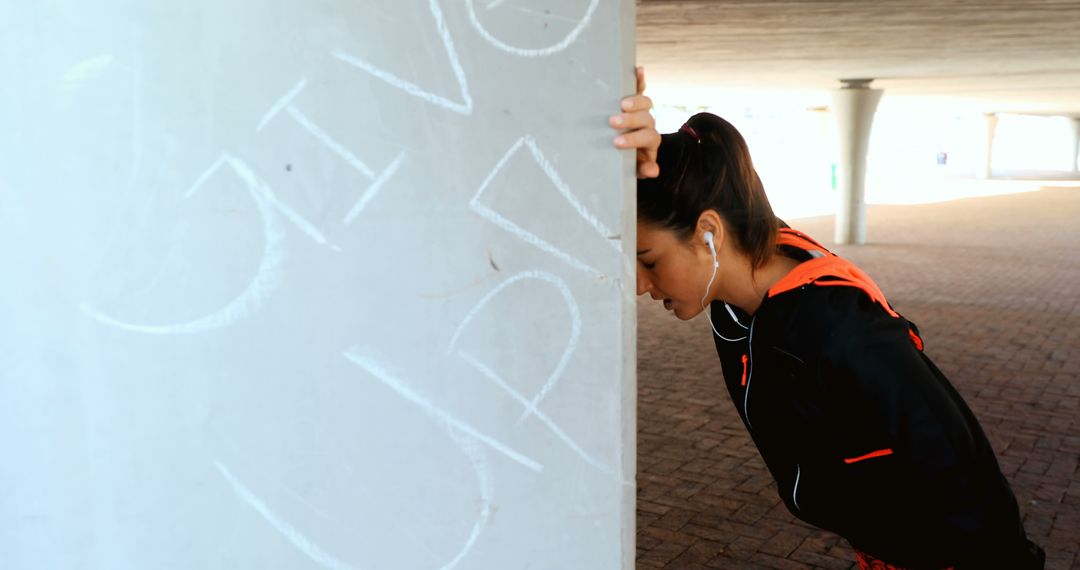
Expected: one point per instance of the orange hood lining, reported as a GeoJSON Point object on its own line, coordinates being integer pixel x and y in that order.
{"type": "Point", "coordinates": [830, 270]}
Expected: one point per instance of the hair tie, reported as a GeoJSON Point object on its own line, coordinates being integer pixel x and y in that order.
{"type": "Point", "coordinates": [686, 128]}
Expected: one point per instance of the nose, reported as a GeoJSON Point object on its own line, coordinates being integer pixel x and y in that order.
{"type": "Point", "coordinates": [643, 284]}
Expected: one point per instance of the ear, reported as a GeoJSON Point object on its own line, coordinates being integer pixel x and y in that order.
{"type": "Point", "coordinates": [710, 221]}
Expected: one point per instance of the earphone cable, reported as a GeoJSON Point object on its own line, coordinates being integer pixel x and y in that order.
{"type": "Point", "coordinates": [707, 313]}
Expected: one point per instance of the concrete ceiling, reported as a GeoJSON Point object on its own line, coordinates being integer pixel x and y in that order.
{"type": "Point", "coordinates": [1019, 56]}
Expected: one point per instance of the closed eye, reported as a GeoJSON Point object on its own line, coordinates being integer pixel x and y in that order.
{"type": "Point", "coordinates": [648, 266]}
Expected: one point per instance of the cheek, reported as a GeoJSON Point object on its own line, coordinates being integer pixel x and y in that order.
{"type": "Point", "coordinates": [670, 282]}
{"type": "Point", "coordinates": [683, 283]}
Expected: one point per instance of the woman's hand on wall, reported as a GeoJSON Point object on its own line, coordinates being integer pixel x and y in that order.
{"type": "Point", "coordinates": [638, 129]}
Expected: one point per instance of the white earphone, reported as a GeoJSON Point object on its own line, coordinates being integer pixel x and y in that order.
{"type": "Point", "coordinates": [712, 248]}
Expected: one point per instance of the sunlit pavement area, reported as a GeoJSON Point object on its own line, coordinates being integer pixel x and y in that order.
{"type": "Point", "coordinates": [994, 285]}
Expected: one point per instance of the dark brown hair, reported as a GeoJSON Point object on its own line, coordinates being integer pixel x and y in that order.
{"type": "Point", "coordinates": [705, 167]}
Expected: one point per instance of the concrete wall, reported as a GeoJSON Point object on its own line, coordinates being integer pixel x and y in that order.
{"type": "Point", "coordinates": [303, 285]}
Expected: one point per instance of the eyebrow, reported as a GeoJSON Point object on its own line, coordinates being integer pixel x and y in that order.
{"type": "Point", "coordinates": [644, 251]}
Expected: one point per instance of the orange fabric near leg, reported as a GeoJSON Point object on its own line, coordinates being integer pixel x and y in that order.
{"type": "Point", "coordinates": [868, 562]}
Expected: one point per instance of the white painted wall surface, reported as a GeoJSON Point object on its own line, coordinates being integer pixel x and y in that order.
{"type": "Point", "coordinates": [316, 285]}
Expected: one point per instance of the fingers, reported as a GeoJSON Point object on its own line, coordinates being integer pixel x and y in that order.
{"type": "Point", "coordinates": [647, 167]}
{"type": "Point", "coordinates": [636, 120]}
{"type": "Point", "coordinates": [639, 128]}
{"type": "Point", "coordinates": [636, 103]}
{"type": "Point", "coordinates": [641, 138]}
{"type": "Point", "coordinates": [648, 170]}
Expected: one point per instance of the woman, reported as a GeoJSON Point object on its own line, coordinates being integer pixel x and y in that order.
{"type": "Point", "coordinates": [863, 434]}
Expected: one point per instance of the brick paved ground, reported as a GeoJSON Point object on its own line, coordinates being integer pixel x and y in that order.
{"type": "Point", "coordinates": [993, 283]}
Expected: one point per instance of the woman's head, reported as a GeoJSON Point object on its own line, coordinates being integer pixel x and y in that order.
{"type": "Point", "coordinates": [707, 183]}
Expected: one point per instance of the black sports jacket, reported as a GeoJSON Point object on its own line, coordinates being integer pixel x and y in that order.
{"type": "Point", "coordinates": [863, 434]}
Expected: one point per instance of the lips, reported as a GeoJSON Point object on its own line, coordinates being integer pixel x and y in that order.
{"type": "Point", "coordinates": [667, 304]}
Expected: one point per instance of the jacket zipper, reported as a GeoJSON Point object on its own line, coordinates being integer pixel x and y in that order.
{"type": "Point", "coordinates": [795, 488]}
{"type": "Point", "coordinates": [748, 372]}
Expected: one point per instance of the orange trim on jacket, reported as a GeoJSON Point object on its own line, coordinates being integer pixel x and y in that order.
{"type": "Point", "coordinates": [871, 455]}
{"type": "Point", "coordinates": [838, 270]}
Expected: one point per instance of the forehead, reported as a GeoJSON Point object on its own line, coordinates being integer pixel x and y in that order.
{"type": "Point", "coordinates": [650, 237]}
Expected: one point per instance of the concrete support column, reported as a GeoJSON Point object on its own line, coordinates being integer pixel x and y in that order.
{"type": "Point", "coordinates": [172, 385]}
{"type": "Point", "coordinates": [1075, 122]}
{"type": "Point", "coordinates": [984, 168]}
{"type": "Point", "coordinates": [853, 106]}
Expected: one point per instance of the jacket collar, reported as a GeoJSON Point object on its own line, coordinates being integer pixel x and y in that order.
{"type": "Point", "coordinates": [824, 269]}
